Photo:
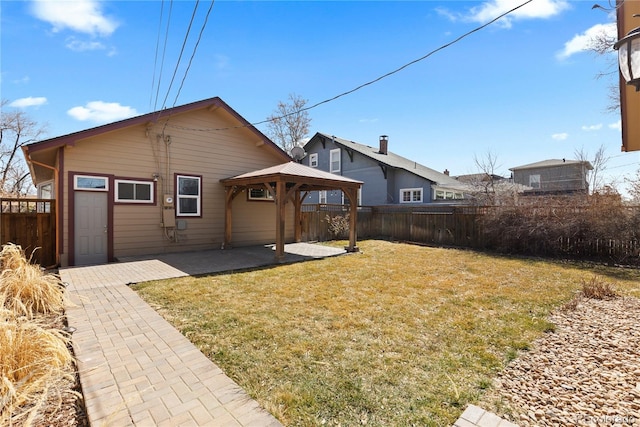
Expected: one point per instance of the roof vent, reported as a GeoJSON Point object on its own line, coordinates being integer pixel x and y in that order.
{"type": "Point", "coordinates": [384, 143]}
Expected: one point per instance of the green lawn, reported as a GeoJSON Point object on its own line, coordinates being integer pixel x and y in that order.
{"type": "Point", "coordinates": [395, 335]}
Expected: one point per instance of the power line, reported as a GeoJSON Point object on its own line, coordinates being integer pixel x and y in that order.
{"type": "Point", "coordinates": [397, 70]}
{"type": "Point", "coordinates": [164, 51]}
{"type": "Point", "coordinates": [184, 43]}
{"type": "Point", "coordinates": [193, 54]}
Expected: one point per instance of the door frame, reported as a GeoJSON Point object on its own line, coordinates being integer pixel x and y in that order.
{"type": "Point", "coordinates": [72, 214]}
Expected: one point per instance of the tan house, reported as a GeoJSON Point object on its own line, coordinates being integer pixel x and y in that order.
{"type": "Point", "coordinates": [152, 184]}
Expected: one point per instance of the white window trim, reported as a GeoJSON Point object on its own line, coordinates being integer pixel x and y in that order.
{"type": "Point", "coordinates": [198, 197]}
{"type": "Point", "coordinates": [331, 153]}
{"type": "Point", "coordinates": [322, 195]}
{"type": "Point", "coordinates": [44, 184]}
{"type": "Point", "coordinates": [536, 179]}
{"type": "Point", "coordinates": [131, 181]}
{"type": "Point", "coordinates": [77, 187]}
{"type": "Point", "coordinates": [313, 160]}
{"type": "Point", "coordinates": [411, 192]}
{"type": "Point", "coordinates": [267, 195]}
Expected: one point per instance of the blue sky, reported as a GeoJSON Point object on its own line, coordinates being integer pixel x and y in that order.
{"type": "Point", "coordinates": [524, 88]}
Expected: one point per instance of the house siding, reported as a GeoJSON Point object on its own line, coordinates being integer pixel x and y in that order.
{"type": "Point", "coordinates": [376, 190]}
{"type": "Point", "coordinates": [554, 179]}
{"type": "Point", "coordinates": [137, 153]}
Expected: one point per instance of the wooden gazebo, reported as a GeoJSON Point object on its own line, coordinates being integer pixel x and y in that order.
{"type": "Point", "coordinates": [290, 182]}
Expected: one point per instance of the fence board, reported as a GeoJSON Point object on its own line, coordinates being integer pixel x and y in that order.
{"type": "Point", "coordinates": [31, 224]}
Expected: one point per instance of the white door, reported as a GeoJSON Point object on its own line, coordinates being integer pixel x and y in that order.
{"type": "Point", "coordinates": [91, 237]}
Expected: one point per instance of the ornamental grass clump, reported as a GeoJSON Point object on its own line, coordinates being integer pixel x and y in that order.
{"type": "Point", "coordinates": [24, 288]}
{"type": "Point", "coordinates": [32, 361]}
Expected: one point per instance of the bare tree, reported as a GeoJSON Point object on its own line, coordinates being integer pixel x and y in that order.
{"type": "Point", "coordinates": [600, 159]}
{"type": "Point", "coordinates": [16, 129]}
{"type": "Point", "coordinates": [289, 123]}
{"type": "Point", "coordinates": [633, 187]}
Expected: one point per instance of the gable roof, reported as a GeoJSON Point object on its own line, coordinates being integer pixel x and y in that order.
{"type": "Point", "coordinates": [294, 169]}
{"type": "Point", "coordinates": [393, 160]}
{"type": "Point", "coordinates": [210, 103]}
{"type": "Point", "coordinates": [553, 163]}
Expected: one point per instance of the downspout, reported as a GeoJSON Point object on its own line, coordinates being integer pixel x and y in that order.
{"type": "Point", "coordinates": [55, 185]}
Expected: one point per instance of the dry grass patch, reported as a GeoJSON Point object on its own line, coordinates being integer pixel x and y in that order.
{"type": "Point", "coordinates": [395, 335]}
{"type": "Point", "coordinates": [33, 360]}
{"type": "Point", "coordinates": [24, 289]}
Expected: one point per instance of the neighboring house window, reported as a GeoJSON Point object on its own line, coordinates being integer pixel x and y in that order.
{"type": "Point", "coordinates": [410, 195]}
{"type": "Point", "coordinates": [91, 183]}
{"type": "Point", "coordinates": [448, 195]}
{"type": "Point", "coordinates": [45, 191]}
{"type": "Point", "coordinates": [259, 194]}
{"type": "Point", "coordinates": [313, 160]}
{"type": "Point", "coordinates": [188, 195]}
{"type": "Point", "coordinates": [534, 181]}
{"type": "Point", "coordinates": [345, 200]}
{"type": "Point", "coordinates": [128, 191]}
{"type": "Point", "coordinates": [322, 197]}
{"type": "Point", "coordinates": [334, 160]}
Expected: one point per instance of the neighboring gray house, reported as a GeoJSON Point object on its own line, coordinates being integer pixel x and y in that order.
{"type": "Point", "coordinates": [387, 177]}
{"type": "Point", "coordinates": [554, 176]}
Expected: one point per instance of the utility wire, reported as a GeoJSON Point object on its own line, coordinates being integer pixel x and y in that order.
{"type": "Point", "coordinates": [184, 43]}
{"type": "Point", "coordinates": [195, 48]}
{"type": "Point", "coordinates": [164, 51]}
{"type": "Point", "coordinates": [155, 59]}
{"type": "Point", "coordinates": [444, 46]}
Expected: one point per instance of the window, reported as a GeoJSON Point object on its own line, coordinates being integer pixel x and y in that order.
{"type": "Point", "coordinates": [313, 160]}
{"type": "Point", "coordinates": [534, 181]}
{"type": "Point", "coordinates": [259, 194]}
{"type": "Point", "coordinates": [91, 183]}
{"type": "Point", "coordinates": [411, 195]}
{"type": "Point", "coordinates": [45, 191]}
{"type": "Point", "coordinates": [134, 191]}
{"type": "Point", "coordinates": [188, 195]}
{"type": "Point", "coordinates": [448, 195]}
{"type": "Point", "coordinates": [334, 160]}
{"type": "Point", "coordinates": [322, 197]}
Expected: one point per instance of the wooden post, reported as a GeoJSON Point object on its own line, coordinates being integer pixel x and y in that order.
{"type": "Point", "coordinates": [297, 203]}
{"type": "Point", "coordinates": [228, 201]}
{"type": "Point", "coordinates": [352, 195]}
{"type": "Point", "coordinates": [281, 196]}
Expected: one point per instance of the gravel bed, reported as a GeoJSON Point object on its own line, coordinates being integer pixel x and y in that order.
{"type": "Point", "coordinates": [585, 373]}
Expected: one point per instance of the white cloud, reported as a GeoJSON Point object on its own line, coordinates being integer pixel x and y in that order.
{"type": "Point", "coordinates": [23, 80]}
{"type": "Point", "coordinates": [539, 9]}
{"type": "Point", "coordinates": [560, 136]}
{"type": "Point", "coordinates": [84, 16]}
{"type": "Point", "coordinates": [585, 41]}
{"type": "Point", "coordinates": [102, 112]}
{"type": "Point", "coordinates": [592, 127]}
{"type": "Point", "coordinates": [81, 46]}
{"type": "Point", "coordinates": [616, 126]}
{"type": "Point", "coordinates": [368, 120]}
{"type": "Point", "coordinates": [221, 61]}
{"type": "Point", "coordinates": [29, 102]}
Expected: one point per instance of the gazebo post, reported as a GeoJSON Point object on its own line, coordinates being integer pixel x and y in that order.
{"type": "Point", "coordinates": [228, 201]}
{"type": "Point", "coordinates": [352, 195]}
{"type": "Point", "coordinates": [297, 203]}
{"type": "Point", "coordinates": [281, 195]}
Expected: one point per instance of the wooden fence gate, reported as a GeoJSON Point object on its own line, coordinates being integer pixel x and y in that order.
{"type": "Point", "coordinates": [30, 223]}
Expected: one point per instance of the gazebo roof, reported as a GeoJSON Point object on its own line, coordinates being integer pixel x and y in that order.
{"type": "Point", "coordinates": [294, 173]}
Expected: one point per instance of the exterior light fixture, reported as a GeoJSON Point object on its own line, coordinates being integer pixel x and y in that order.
{"type": "Point", "coordinates": [628, 49]}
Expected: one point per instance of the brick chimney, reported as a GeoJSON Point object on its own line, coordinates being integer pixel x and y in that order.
{"type": "Point", "coordinates": [384, 142]}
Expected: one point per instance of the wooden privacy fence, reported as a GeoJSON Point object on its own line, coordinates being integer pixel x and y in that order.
{"type": "Point", "coordinates": [31, 224]}
{"type": "Point", "coordinates": [461, 226]}
{"type": "Point", "coordinates": [438, 225]}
